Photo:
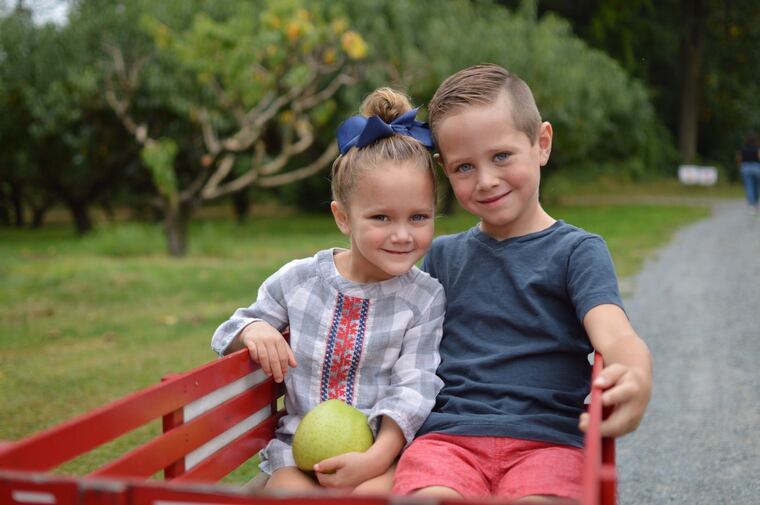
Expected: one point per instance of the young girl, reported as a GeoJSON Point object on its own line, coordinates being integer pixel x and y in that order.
{"type": "Point", "coordinates": [365, 322]}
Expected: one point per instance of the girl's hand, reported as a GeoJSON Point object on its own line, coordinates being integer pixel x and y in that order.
{"type": "Point", "coordinates": [347, 470]}
{"type": "Point", "coordinates": [628, 391]}
{"type": "Point", "coordinates": [269, 348]}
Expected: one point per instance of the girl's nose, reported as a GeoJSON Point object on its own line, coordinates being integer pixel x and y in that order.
{"type": "Point", "coordinates": [401, 234]}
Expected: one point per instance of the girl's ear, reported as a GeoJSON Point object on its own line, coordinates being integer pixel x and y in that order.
{"type": "Point", "coordinates": [341, 217]}
{"type": "Point", "coordinates": [545, 135]}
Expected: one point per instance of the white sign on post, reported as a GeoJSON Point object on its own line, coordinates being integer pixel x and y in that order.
{"type": "Point", "coordinates": [697, 175]}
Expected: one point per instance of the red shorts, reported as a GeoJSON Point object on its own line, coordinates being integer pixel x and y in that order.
{"type": "Point", "coordinates": [477, 466]}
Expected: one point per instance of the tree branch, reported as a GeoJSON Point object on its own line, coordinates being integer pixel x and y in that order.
{"type": "Point", "coordinates": [224, 168]}
{"type": "Point", "coordinates": [301, 173]}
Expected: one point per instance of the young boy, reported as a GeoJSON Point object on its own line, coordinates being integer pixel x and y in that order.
{"type": "Point", "coordinates": [529, 297]}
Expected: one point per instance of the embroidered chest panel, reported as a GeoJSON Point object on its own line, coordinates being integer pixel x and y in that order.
{"type": "Point", "coordinates": [343, 352]}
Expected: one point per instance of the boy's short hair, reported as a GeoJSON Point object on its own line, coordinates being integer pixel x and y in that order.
{"type": "Point", "coordinates": [482, 85]}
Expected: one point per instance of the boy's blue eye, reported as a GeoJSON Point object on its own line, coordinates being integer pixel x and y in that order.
{"type": "Point", "coordinates": [501, 157]}
{"type": "Point", "coordinates": [380, 217]}
{"type": "Point", "coordinates": [463, 168]}
{"type": "Point", "coordinates": [419, 217]}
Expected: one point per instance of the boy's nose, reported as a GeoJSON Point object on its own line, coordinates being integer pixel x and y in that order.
{"type": "Point", "coordinates": [487, 178]}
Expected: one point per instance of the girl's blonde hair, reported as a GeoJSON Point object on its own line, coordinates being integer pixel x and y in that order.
{"type": "Point", "coordinates": [387, 104]}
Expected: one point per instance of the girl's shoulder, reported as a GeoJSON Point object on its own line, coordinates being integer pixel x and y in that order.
{"type": "Point", "coordinates": [302, 267]}
{"type": "Point", "coordinates": [422, 285]}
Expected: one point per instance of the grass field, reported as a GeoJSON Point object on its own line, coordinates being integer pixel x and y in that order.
{"type": "Point", "coordinates": [86, 320]}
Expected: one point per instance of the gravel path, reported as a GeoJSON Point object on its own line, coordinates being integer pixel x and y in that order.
{"type": "Point", "coordinates": [697, 304]}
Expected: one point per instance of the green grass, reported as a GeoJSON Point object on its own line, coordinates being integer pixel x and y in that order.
{"type": "Point", "coordinates": [84, 321]}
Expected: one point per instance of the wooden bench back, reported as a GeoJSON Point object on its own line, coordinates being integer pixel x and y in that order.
{"type": "Point", "coordinates": [215, 417]}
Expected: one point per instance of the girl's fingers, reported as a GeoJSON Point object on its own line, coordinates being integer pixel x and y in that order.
{"type": "Point", "coordinates": [274, 362]}
{"type": "Point", "coordinates": [283, 356]}
{"type": "Point", "coordinates": [264, 359]}
{"type": "Point", "coordinates": [291, 357]}
{"type": "Point", "coordinates": [254, 354]}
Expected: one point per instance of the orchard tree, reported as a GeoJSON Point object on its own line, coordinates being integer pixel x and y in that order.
{"type": "Point", "coordinates": [254, 86]}
{"type": "Point", "coordinates": [60, 141]}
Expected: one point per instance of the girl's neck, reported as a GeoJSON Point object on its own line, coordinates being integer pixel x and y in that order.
{"type": "Point", "coordinates": [356, 271]}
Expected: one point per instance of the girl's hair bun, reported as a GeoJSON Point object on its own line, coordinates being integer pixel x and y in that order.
{"type": "Point", "coordinates": [386, 103]}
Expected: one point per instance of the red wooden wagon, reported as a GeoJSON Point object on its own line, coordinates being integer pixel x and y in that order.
{"type": "Point", "coordinates": [215, 418]}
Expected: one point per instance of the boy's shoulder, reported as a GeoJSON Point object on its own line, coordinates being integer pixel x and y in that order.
{"type": "Point", "coordinates": [454, 239]}
{"type": "Point", "coordinates": [559, 232]}
{"type": "Point", "coordinates": [570, 232]}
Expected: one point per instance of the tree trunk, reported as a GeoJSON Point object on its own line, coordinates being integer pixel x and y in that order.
{"type": "Point", "coordinates": [38, 216]}
{"type": "Point", "coordinates": [39, 210]}
{"type": "Point", "coordinates": [176, 221]}
{"type": "Point", "coordinates": [81, 216]}
{"type": "Point", "coordinates": [17, 199]}
{"type": "Point", "coordinates": [692, 41]}
{"type": "Point", "coordinates": [241, 203]}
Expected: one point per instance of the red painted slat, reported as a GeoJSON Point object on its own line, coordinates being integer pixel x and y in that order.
{"type": "Point", "coordinates": [21, 489]}
{"type": "Point", "coordinates": [61, 443]}
{"type": "Point", "coordinates": [165, 449]}
{"type": "Point", "coordinates": [170, 421]}
{"type": "Point", "coordinates": [147, 494]}
{"type": "Point", "coordinates": [593, 442]}
{"type": "Point", "coordinates": [224, 461]}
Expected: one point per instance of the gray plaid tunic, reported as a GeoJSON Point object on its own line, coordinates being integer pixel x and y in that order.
{"type": "Point", "coordinates": [374, 346]}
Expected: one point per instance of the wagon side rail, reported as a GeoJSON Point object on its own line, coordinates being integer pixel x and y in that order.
{"type": "Point", "coordinates": [599, 472]}
{"type": "Point", "coordinates": [214, 417]}
{"type": "Point", "coordinates": [227, 400]}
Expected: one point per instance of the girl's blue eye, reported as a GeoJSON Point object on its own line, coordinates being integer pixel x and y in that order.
{"type": "Point", "coordinates": [380, 217]}
{"type": "Point", "coordinates": [419, 217]}
{"type": "Point", "coordinates": [501, 157]}
{"type": "Point", "coordinates": [463, 168]}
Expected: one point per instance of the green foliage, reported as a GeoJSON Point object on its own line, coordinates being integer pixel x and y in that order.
{"type": "Point", "coordinates": [60, 142]}
{"type": "Point", "coordinates": [600, 115]}
{"type": "Point", "coordinates": [159, 156]}
{"type": "Point", "coordinates": [244, 56]}
{"type": "Point", "coordinates": [648, 38]}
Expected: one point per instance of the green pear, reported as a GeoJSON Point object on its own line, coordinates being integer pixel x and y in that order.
{"type": "Point", "coordinates": [331, 428]}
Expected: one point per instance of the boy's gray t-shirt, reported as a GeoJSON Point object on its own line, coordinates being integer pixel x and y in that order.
{"type": "Point", "coordinates": [514, 354]}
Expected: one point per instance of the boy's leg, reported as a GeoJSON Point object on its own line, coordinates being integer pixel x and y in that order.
{"type": "Point", "coordinates": [444, 465]}
{"type": "Point", "coordinates": [542, 473]}
{"type": "Point", "coordinates": [290, 478]}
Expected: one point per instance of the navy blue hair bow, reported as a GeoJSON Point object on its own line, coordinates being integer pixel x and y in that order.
{"type": "Point", "coordinates": [359, 131]}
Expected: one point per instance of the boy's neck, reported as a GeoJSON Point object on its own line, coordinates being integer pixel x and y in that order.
{"type": "Point", "coordinates": [537, 221]}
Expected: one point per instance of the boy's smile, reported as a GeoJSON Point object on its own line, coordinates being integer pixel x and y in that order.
{"type": "Point", "coordinates": [494, 169]}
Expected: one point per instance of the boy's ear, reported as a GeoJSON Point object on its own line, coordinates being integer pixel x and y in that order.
{"type": "Point", "coordinates": [341, 217]}
{"type": "Point", "coordinates": [545, 135]}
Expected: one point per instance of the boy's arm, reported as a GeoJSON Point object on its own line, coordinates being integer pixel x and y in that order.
{"type": "Point", "coordinates": [627, 374]}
